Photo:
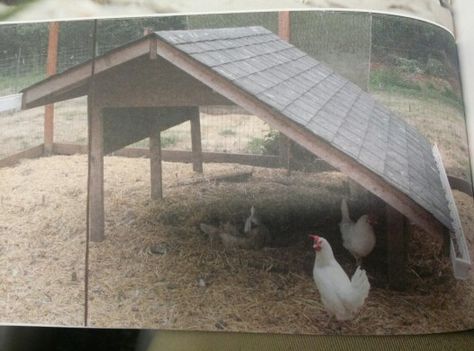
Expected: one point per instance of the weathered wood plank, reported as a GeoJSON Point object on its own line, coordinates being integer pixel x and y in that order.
{"type": "Point", "coordinates": [285, 153]}
{"type": "Point", "coordinates": [125, 126]}
{"type": "Point", "coordinates": [305, 138]}
{"type": "Point", "coordinates": [69, 149]}
{"type": "Point", "coordinates": [183, 156]}
{"type": "Point", "coordinates": [236, 177]}
{"type": "Point", "coordinates": [48, 130]}
{"type": "Point", "coordinates": [459, 251]}
{"type": "Point", "coordinates": [95, 191]}
{"type": "Point", "coordinates": [140, 84]}
{"type": "Point", "coordinates": [196, 141]}
{"type": "Point", "coordinates": [284, 28]}
{"type": "Point", "coordinates": [34, 152]}
{"type": "Point", "coordinates": [179, 155]}
{"type": "Point", "coordinates": [156, 171]}
{"type": "Point", "coordinates": [397, 248]}
{"type": "Point", "coordinates": [284, 32]}
{"type": "Point", "coordinates": [50, 70]}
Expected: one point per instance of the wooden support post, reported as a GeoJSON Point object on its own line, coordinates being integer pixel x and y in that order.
{"type": "Point", "coordinates": [284, 32]}
{"type": "Point", "coordinates": [156, 181]}
{"type": "Point", "coordinates": [285, 152]}
{"type": "Point", "coordinates": [397, 247]}
{"type": "Point", "coordinates": [96, 175]}
{"type": "Point", "coordinates": [196, 142]}
{"type": "Point", "coordinates": [284, 28]}
{"type": "Point", "coordinates": [51, 67]}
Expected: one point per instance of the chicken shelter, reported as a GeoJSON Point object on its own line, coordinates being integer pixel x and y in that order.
{"type": "Point", "coordinates": [145, 87]}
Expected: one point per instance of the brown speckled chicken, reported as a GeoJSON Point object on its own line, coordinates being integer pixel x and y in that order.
{"type": "Point", "coordinates": [254, 237]}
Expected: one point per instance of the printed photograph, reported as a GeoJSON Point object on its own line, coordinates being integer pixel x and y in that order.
{"type": "Point", "coordinates": [295, 172]}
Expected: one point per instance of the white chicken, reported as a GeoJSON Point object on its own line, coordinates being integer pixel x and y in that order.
{"type": "Point", "coordinates": [341, 297]}
{"type": "Point", "coordinates": [357, 237]}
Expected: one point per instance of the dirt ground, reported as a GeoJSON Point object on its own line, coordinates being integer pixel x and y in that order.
{"type": "Point", "coordinates": [156, 269]}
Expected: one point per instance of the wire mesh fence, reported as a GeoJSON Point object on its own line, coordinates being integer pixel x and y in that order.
{"type": "Point", "coordinates": [417, 78]}
{"type": "Point", "coordinates": [415, 72]}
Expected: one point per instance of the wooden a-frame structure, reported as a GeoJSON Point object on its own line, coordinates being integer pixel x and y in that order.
{"type": "Point", "coordinates": [143, 88]}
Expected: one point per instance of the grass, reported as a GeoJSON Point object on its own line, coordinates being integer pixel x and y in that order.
{"type": "Point", "coordinates": [168, 140]}
{"type": "Point", "coordinates": [390, 80]}
{"type": "Point", "coordinates": [385, 78]}
{"type": "Point", "coordinates": [227, 132]}
{"type": "Point", "coordinates": [12, 84]}
{"type": "Point", "coordinates": [256, 145]}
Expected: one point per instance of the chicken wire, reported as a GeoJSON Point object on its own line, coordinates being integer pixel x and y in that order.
{"type": "Point", "coordinates": [223, 129]}
{"type": "Point", "coordinates": [348, 42]}
{"type": "Point", "coordinates": [339, 40]}
{"type": "Point", "coordinates": [414, 72]}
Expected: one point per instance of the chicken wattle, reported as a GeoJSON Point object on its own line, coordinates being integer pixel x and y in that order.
{"type": "Point", "coordinates": [342, 297]}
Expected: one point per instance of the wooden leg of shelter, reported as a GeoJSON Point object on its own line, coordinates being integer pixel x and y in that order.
{"type": "Point", "coordinates": [155, 163]}
{"type": "Point", "coordinates": [285, 153]}
{"type": "Point", "coordinates": [397, 242]}
{"type": "Point", "coordinates": [96, 176]}
{"type": "Point", "coordinates": [446, 243]}
{"type": "Point", "coordinates": [196, 142]}
{"type": "Point", "coordinates": [48, 129]}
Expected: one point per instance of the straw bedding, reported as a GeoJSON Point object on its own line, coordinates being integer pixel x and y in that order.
{"type": "Point", "coordinates": [156, 269]}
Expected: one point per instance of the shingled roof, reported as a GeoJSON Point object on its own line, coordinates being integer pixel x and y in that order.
{"type": "Point", "coordinates": [312, 95]}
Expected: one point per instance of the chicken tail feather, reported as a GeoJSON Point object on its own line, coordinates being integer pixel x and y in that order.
{"type": "Point", "coordinates": [360, 287]}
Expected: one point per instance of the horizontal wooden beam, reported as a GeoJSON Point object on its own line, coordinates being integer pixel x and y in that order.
{"type": "Point", "coordinates": [179, 155]}
{"type": "Point", "coordinates": [34, 152]}
{"type": "Point", "coordinates": [318, 146]}
{"type": "Point", "coordinates": [184, 156]}
{"type": "Point", "coordinates": [69, 149]}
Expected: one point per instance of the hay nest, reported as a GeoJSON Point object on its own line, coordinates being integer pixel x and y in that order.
{"type": "Point", "coordinates": [156, 268]}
